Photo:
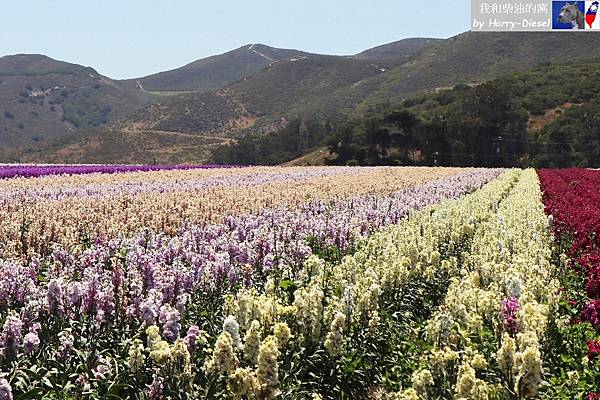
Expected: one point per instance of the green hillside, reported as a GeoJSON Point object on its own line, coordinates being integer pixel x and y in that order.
{"type": "Point", "coordinates": [547, 116]}
{"type": "Point", "coordinates": [217, 71]}
{"type": "Point", "coordinates": [316, 89]}
{"type": "Point", "coordinates": [41, 99]}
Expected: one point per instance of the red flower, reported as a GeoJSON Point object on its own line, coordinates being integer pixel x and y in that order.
{"type": "Point", "coordinates": [593, 287]}
{"type": "Point", "coordinates": [593, 349]}
{"type": "Point", "coordinates": [593, 396]}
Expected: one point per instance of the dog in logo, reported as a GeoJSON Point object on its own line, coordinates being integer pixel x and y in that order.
{"type": "Point", "coordinates": [571, 14]}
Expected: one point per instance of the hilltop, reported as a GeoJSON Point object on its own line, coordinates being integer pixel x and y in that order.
{"type": "Point", "coordinates": [42, 98]}
{"type": "Point", "coordinates": [305, 88]}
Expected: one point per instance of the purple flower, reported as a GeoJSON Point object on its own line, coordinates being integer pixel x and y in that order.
{"type": "Point", "coordinates": [66, 344]}
{"type": "Point", "coordinates": [29, 171]}
{"type": "Point", "coordinates": [192, 338]}
{"type": "Point", "coordinates": [54, 297]}
{"type": "Point", "coordinates": [11, 336]}
{"type": "Point", "coordinates": [155, 389]}
{"type": "Point", "coordinates": [510, 311]}
{"type": "Point", "coordinates": [5, 390]}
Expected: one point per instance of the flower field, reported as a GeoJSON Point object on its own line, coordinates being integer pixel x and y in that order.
{"type": "Point", "coordinates": [298, 283]}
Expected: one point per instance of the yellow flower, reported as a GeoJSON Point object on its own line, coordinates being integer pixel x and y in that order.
{"type": "Point", "coordinates": [282, 332]}
{"type": "Point", "coordinates": [252, 342]}
{"type": "Point", "coordinates": [268, 369]}
{"type": "Point", "coordinates": [136, 355]}
{"type": "Point", "coordinates": [223, 358]}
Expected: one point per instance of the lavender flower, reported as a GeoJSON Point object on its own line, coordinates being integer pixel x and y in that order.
{"type": "Point", "coordinates": [66, 341]}
{"type": "Point", "coordinates": [31, 341]}
{"type": "Point", "coordinates": [191, 338]}
{"type": "Point", "coordinates": [155, 389]}
{"type": "Point", "coordinates": [170, 318]}
{"type": "Point", "coordinates": [11, 336]}
{"type": "Point", "coordinates": [54, 297]}
{"type": "Point", "coordinates": [5, 390]}
{"type": "Point", "coordinates": [102, 369]}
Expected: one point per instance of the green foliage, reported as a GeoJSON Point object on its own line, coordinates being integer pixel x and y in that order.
{"type": "Point", "coordinates": [481, 125]}
{"type": "Point", "coordinates": [569, 373]}
{"type": "Point", "coordinates": [298, 137]}
{"type": "Point", "coordinates": [485, 124]}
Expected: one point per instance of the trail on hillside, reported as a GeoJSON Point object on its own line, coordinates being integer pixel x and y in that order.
{"type": "Point", "coordinates": [251, 48]}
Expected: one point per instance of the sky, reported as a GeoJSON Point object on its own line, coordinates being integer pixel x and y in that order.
{"type": "Point", "coordinates": [133, 38]}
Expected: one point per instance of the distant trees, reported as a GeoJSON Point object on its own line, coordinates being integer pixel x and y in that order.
{"type": "Point", "coordinates": [292, 141]}
{"type": "Point", "coordinates": [488, 124]}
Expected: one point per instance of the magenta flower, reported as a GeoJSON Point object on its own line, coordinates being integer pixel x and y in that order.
{"type": "Point", "coordinates": [510, 312]}
{"type": "Point", "coordinates": [591, 313]}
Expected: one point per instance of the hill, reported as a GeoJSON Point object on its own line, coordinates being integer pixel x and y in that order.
{"type": "Point", "coordinates": [263, 84]}
{"type": "Point", "coordinates": [217, 71]}
{"type": "Point", "coordinates": [329, 88]}
{"type": "Point", "coordinates": [533, 118]}
{"type": "Point", "coordinates": [397, 51]}
{"type": "Point", "coordinates": [259, 103]}
{"type": "Point", "coordinates": [107, 146]}
{"type": "Point", "coordinates": [42, 98]}
{"type": "Point", "coordinates": [477, 56]}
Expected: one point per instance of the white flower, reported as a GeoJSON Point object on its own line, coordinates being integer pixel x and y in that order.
{"type": "Point", "coordinates": [233, 328]}
{"type": "Point", "coordinates": [335, 337]}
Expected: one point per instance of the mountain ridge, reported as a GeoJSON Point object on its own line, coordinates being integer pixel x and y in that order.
{"type": "Point", "coordinates": [42, 98]}
{"type": "Point", "coordinates": [322, 87]}
{"type": "Point", "coordinates": [217, 71]}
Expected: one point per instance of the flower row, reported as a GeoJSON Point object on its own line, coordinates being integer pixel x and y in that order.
{"type": "Point", "coordinates": [572, 200]}
{"type": "Point", "coordinates": [487, 335]}
{"type": "Point", "coordinates": [335, 306]}
{"type": "Point", "coordinates": [29, 228]}
{"type": "Point", "coordinates": [34, 170]}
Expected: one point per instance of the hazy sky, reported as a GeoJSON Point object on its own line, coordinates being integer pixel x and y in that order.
{"type": "Point", "coordinates": [127, 38]}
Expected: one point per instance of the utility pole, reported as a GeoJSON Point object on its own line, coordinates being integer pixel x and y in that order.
{"type": "Point", "coordinates": [498, 147]}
